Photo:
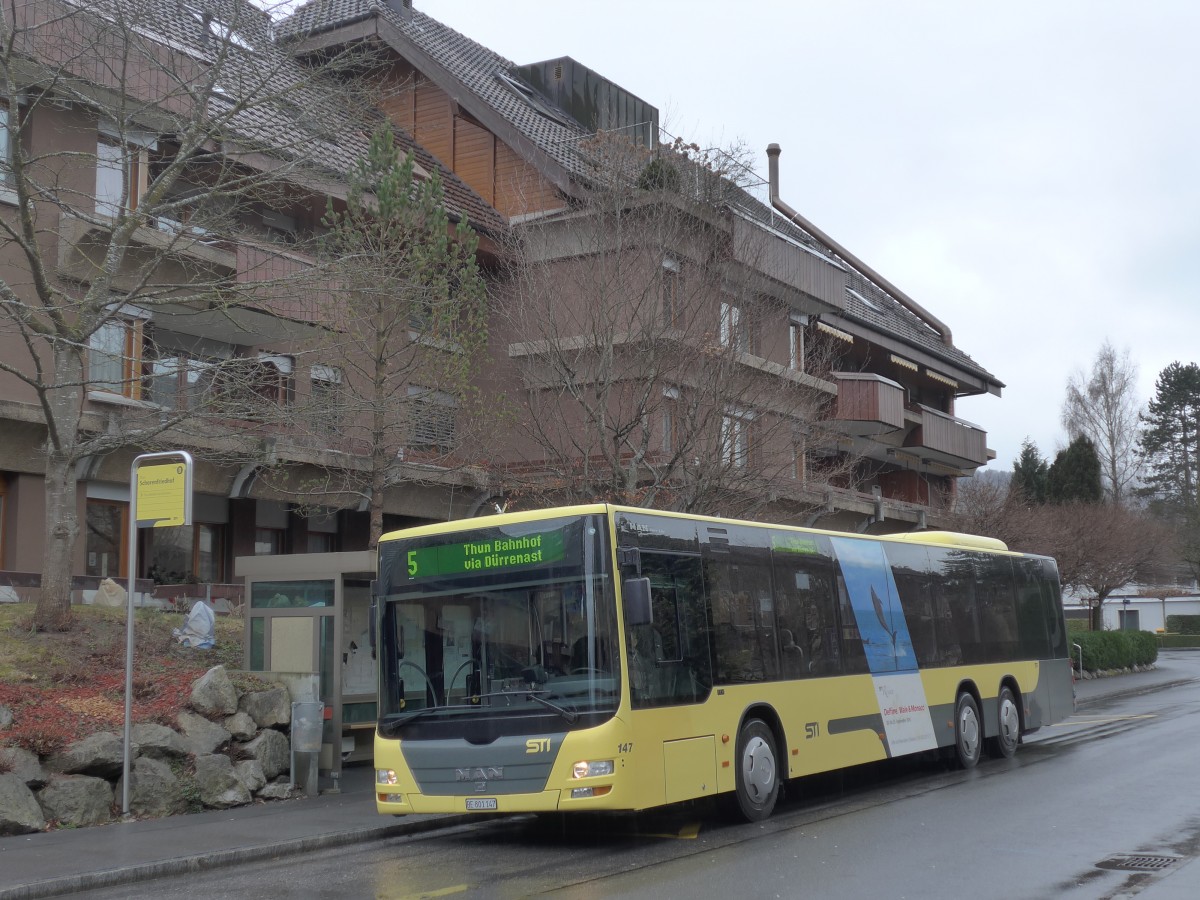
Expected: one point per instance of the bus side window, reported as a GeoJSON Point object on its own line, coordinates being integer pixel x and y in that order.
{"type": "Point", "coordinates": [804, 607]}
{"type": "Point", "coordinates": [668, 658]}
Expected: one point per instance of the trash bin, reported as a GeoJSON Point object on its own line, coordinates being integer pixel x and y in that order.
{"type": "Point", "coordinates": [308, 719]}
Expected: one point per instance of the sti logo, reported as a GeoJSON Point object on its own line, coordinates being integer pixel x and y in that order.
{"type": "Point", "coordinates": [537, 745]}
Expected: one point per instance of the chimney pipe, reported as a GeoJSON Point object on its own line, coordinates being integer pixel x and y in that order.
{"type": "Point", "coordinates": [900, 297]}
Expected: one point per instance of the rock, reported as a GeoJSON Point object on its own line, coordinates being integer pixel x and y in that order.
{"type": "Point", "coordinates": [201, 736]}
{"type": "Point", "coordinates": [153, 789]}
{"type": "Point", "coordinates": [250, 771]}
{"type": "Point", "coordinates": [159, 742]}
{"type": "Point", "coordinates": [77, 800]}
{"type": "Point", "coordinates": [214, 694]}
{"type": "Point", "coordinates": [22, 762]}
{"type": "Point", "coordinates": [218, 783]}
{"type": "Point", "coordinates": [276, 790]}
{"type": "Point", "coordinates": [101, 754]}
{"type": "Point", "coordinates": [272, 751]}
{"type": "Point", "coordinates": [241, 726]}
{"type": "Point", "coordinates": [6, 717]}
{"type": "Point", "coordinates": [267, 708]}
{"type": "Point", "coordinates": [19, 810]}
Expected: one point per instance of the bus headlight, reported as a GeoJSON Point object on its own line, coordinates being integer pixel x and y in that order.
{"type": "Point", "coordinates": [386, 776]}
{"type": "Point", "coordinates": [586, 769]}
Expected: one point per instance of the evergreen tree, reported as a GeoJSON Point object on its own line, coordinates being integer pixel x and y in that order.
{"type": "Point", "coordinates": [1030, 473]}
{"type": "Point", "coordinates": [1074, 475]}
{"type": "Point", "coordinates": [1171, 448]}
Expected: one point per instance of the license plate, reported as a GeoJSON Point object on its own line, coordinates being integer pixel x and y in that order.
{"type": "Point", "coordinates": [481, 803]}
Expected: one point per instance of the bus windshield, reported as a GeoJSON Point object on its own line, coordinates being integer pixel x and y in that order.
{"type": "Point", "coordinates": [498, 625]}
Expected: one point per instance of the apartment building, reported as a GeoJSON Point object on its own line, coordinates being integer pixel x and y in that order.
{"type": "Point", "coordinates": [208, 272]}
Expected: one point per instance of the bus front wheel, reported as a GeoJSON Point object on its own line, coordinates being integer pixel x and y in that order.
{"type": "Point", "coordinates": [757, 773]}
{"type": "Point", "coordinates": [968, 733]}
{"type": "Point", "coordinates": [1004, 744]}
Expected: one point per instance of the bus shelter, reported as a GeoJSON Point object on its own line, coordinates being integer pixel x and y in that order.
{"type": "Point", "coordinates": [309, 615]}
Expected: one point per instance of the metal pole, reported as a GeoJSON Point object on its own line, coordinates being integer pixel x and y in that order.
{"type": "Point", "coordinates": [126, 753]}
{"type": "Point", "coordinates": [1080, 651]}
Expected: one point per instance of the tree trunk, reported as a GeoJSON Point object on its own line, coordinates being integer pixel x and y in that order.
{"type": "Point", "coordinates": [64, 404]}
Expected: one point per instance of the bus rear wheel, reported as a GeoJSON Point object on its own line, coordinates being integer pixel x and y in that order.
{"type": "Point", "coordinates": [968, 734]}
{"type": "Point", "coordinates": [1004, 744]}
{"type": "Point", "coordinates": [757, 773]}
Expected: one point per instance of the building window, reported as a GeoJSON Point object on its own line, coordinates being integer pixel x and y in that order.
{"type": "Point", "coordinates": [115, 355]}
{"type": "Point", "coordinates": [268, 541]}
{"type": "Point", "coordinates": [321, 542]}
{"type": "Point", "coordinates": [186, 554]}
{"type": "Point", "coordinates": [735, 441]}
{"type": "Point", "coordinates": [106, 546]}
{"type": "Point", "coordinates": [327, 397]}
{"type": "Point", "coordinates": [272, 379]}
{"type": "Point", "coordinates": [735, 328]}
{"type": "Point", "coordinates": [672, 301]}
{"type": "Point", "coordinates": [122, 175]}
{"type": "Point", "coordinates": [6, 144]}
{"type": "Point", "coordinates": [179, 381]}
{"type": "Point", "coordinates": [433, 414]}
{"type": "Point", "coordinates": [670, 416]}
{"type": "Point", "coordinates": [799, 461]}
{"type": "Point", "coordinates": [796, 347]}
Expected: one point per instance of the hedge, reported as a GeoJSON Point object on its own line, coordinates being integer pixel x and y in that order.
{"type": "Point", "coordinates": [1114, 649]}
{"type": "Point", "coordinates": [1183, 624]}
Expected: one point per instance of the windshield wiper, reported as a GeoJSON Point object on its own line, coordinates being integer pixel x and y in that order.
{"type": "Point", "coordinates": [569, 714]}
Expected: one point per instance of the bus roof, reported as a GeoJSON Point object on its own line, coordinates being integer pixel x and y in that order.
{"type": "Point", "coordinates": [931, 538]}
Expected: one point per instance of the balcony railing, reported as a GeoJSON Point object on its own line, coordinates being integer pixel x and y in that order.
{"type": "Point", "coordinates": [949, 440]}
{"type": "Point", "coordinates": [868, 403]}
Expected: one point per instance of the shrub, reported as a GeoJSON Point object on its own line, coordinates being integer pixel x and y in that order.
{"type": "Point", "coordinates": [1116, 649]}
{"type": "Point", "coordinates": [1183, 624]}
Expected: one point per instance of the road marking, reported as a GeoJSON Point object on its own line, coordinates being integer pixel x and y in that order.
{"type": "Point", "coordinates": [1073, 721]}
{"type": "Point", "coordinates": [426, 895]}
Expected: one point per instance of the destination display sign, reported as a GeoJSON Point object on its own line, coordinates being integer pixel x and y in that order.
{"type": "Point", "coordinates": [494, 554]}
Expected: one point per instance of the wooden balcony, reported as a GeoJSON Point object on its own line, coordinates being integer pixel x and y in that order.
{"type": "Point", "coordinates": [943, 438]}
{"type": "Point", "coordinates": [867, 404]}
{"type": "Point", "coordinates": [177, 257]}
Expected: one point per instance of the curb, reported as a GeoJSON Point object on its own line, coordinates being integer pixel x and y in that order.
{"type": "Point", "coordinates": [183, 865]}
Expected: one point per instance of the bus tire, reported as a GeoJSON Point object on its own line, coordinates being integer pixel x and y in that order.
{"type": "Point", "coordinates": [1008, 722]}
{"type": "Point", "coordinates": [757, 771]}
{"type": "Point", "coordinates": [968, 731]}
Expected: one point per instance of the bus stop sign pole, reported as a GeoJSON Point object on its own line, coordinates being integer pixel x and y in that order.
{"type": "Point", "coordinates": [160, 486]}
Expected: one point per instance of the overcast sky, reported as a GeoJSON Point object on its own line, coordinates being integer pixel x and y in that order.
{"type": "Point", "coordinates": [1026, 171]}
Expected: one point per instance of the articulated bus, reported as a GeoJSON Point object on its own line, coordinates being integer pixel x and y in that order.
{"type": "Point", "coordinates": [603, 657]}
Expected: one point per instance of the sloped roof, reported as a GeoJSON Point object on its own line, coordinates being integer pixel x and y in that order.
{"type": "Point", "coordinates": [478, 69]}
{"type": "Point", "coordinates": [269, 100]}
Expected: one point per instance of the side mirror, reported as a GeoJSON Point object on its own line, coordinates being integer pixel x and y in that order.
{"type": "Point", "coordinates": [636, 593]}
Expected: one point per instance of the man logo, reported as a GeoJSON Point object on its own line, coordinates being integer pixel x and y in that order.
{"type": "Point", "coordinates": [537, 745]}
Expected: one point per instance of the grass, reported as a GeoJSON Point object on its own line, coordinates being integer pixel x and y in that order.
{"type": "Point", "coordinates": [61, 686]}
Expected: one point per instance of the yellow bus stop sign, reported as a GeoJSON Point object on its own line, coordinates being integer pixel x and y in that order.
{"type": "Point", "coordinates": [163, 495]}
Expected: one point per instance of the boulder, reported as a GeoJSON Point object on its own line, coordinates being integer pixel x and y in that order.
{"type": "Point", "coordinates": [101, 754]}
{"type": "Point", "coordinates": [24, 763]}
{"type": "Point", "coordinates": [276, 790]}
{"type": "Point", "coordinates": [19, 810]}
{"type": "Point", "coordinates": [214, 694]}
{"type": "Point", "coordinates": [6, 717]}
{"type": "Point", "coordinates": [250, 771]}
{"type": "Point", "coordinates": [272, 751]}
{"type": "Point", "coordinates": [218, 783]}
{"type": "Point", "coordinates": [267, 708]}
{"type": "Point", "coordinates": [153, 789]}
{"type": "Point", "coordinates": [77, 800]}
{"type": "Point", "coordinates": [159, 742]}
{"type": "Point", "coordinates": [241, 726]}
{"type": "Point", "coordinates": [201, 736]}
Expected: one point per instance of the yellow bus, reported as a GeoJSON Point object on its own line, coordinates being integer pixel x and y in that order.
{"type": "Point", "coordinates": [610, 658]}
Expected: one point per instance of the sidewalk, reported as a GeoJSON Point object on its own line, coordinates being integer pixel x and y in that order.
{"type": "Point", "coordinates": [52, 863]}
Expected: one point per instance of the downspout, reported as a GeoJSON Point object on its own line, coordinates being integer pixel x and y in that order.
{"type": "Point", "coordinates": [900, 297]}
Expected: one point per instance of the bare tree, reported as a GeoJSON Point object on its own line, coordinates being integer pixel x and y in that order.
{"type": "Point", "coordinates": [1103, 406]}
{"type": "Point", "coordinates": [141, 136]}
{"type": "Point", "coordinates": [642, 333]}
{"type": "Point", "coordinates": [1099, 547]}
{"type": "Point", "coordinates": [405, 321]}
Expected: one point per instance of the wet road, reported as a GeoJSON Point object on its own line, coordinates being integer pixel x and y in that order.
{"type": "Point", "coordinates": [1120, 777]}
